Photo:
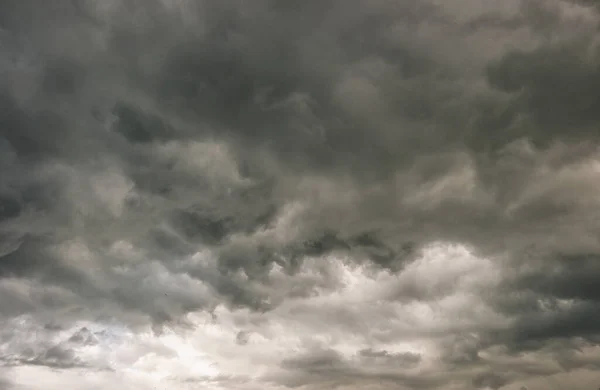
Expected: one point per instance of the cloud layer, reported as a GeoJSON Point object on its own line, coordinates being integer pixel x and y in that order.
{"type": "Point", "coordinates": [320, 194]}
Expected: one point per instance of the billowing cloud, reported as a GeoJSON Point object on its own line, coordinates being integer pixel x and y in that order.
{"type": "Point", "coordinates": [320, 194]}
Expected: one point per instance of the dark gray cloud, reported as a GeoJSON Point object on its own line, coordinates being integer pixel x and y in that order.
{"type": "Point", "coordinates": [44, 351]}
{"type": "Point", "coordinates": [331, 369]}
{"type": "Point", "coordinates": [165, 158]}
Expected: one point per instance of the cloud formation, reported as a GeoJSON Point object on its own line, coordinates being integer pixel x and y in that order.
{"type": "Point", "coordinates": [321, 194]}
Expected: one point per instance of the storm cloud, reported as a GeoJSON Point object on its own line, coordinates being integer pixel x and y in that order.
{"type": "Point", "coordinates": [309, 194]}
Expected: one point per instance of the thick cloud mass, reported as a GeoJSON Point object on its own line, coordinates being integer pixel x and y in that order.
{"type": "Point", "coordinates": [278, 194]}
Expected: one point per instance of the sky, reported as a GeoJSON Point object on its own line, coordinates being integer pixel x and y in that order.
{"type": "Point", "coordinates": [308, 195]}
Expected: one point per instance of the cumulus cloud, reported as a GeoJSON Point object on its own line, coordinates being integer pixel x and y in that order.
{"type": "Point", "coordinates": [319, 194]}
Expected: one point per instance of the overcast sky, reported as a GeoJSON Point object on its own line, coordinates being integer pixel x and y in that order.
{"type": "Point", "coordinates": [299, 194]}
